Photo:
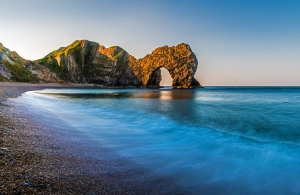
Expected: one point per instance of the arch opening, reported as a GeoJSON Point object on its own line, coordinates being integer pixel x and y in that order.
{"type": "Point", "coordinates": [159, 78]}
{"type": "Point", "coordinates": [166, 79]}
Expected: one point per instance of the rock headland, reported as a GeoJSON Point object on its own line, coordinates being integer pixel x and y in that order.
{"type": "Point", "coordinates": [88, 62]}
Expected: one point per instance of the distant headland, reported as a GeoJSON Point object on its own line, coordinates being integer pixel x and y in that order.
{"type": "Point", "coordinates": [87, 62]}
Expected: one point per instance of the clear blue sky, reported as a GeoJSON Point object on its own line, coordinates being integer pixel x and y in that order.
{"type": "Point", "coordinates": [237, 42]}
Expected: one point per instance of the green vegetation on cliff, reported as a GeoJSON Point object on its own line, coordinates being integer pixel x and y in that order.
{"type": "Point", "coordinates": [51, 63]}
{"type": "Point", "coordinates": [59, 67]}
{"type": "Point", "coordinates": [89, 62]}
{"type": "Point", "coordinates": [19, 73]}
{"type": "Point", "coordinates": [13, 66]}
{"type": "Point", "coordinates": [3, 79]}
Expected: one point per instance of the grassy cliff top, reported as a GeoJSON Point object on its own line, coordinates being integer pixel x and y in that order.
{"type": "Point", "coordinates": [112, 52]}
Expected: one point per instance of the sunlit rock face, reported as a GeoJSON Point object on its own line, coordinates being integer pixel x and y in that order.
{"type": "Point", "coordinates": [179, 60]}
{"type": "Point", "coordinates": [89, 62]}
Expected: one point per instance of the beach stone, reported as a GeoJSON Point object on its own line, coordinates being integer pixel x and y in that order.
{"type": "Point", "coordinates": [25, 184]}
{"type": "Point", "coordinates": [3, 151]}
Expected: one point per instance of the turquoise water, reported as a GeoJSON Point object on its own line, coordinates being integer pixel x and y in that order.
{"type": "Point", "coordinates": [216, 140]}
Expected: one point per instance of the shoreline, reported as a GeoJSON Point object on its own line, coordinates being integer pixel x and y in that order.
{"type": "Point", "coordinates": [39, 155]}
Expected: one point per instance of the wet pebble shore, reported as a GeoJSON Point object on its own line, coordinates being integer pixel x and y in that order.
{"type": "Point", "coordinates": [36, 159]}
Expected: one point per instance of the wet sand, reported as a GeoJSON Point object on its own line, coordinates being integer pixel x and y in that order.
{"type": "Point", "coordinates": [46, 156]}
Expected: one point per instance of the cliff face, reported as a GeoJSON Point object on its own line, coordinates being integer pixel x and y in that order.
{"type": "Point", "coordinates": [88, 62]}
{"type": "Point", "coordinates": [14, 68]}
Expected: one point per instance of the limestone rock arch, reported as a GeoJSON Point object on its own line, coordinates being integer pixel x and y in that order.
{"type": "Point", "coordinates": [86, 61]}
{"type": "Point", "coordinates": [179, 60]}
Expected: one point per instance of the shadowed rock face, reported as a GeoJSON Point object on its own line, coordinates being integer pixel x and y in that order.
{"type": "Point", "coordinates": [88, 62]}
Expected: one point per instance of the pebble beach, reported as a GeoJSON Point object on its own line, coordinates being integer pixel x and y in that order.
{"type": "Point", "coordinates": [37, 157]}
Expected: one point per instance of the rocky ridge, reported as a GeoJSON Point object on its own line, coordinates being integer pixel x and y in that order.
{"type": "Point", "coordinates": [15, 68]}
{"type": "Point", "coordinates": [88, 62]}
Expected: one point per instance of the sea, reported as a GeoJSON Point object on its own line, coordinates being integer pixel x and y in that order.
{"type": "Point", "coordinates": [211, 140]}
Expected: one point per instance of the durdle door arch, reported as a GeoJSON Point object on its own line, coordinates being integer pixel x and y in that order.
{"type": "Point", "coordinates": [179, 60]}
{"type": "Point", "coordinates": [86, 61]}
